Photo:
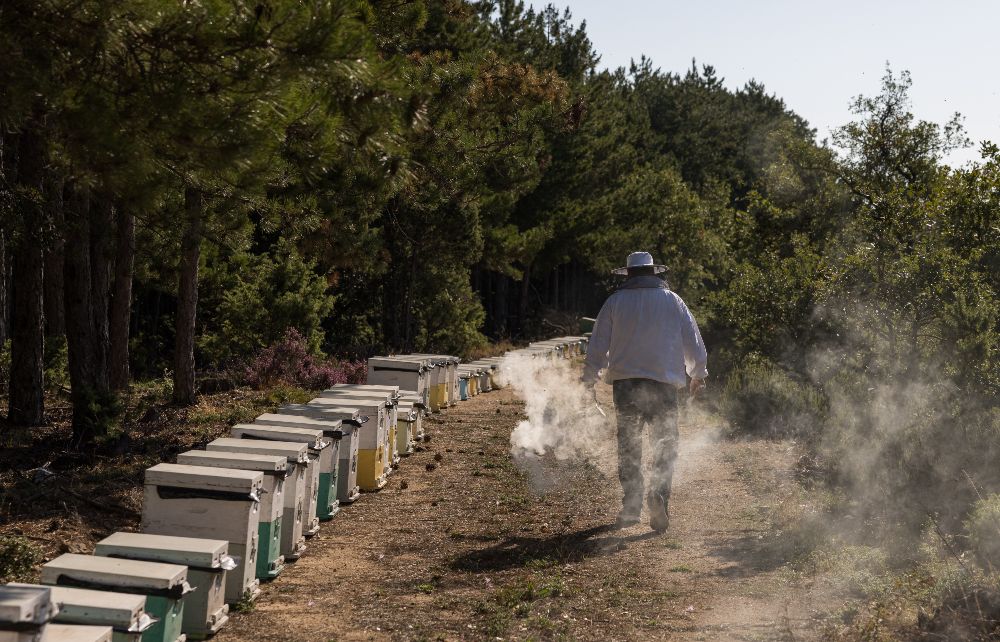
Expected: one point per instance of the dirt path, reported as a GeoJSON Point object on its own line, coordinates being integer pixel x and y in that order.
{"type": "Point", "coordinates": [458, 547]}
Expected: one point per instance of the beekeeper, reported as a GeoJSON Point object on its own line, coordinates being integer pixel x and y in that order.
{"type": "Point", "coordinates": [648, 344]}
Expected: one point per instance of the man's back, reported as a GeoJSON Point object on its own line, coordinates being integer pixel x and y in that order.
{"type": "Point", "coordinates": [645, 331]}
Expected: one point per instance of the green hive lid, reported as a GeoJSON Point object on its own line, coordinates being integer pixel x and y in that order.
{"type": "Point", "coordinates": [293, 452]}
{"type": "Point", "coordinates": [169, 549]}
{"type": "Point", "coordinates": [121, 611]}
{"type": "Point", "coordinates": [77, 633]}
{"type": "Point", "coordinates": [119, 575]}
{"type": "Point", "coordinates": [205, 478]}
{"type": "Point", "coordinates": [267, 464]}
{"type": "Point", "coordinates": [25, 604]}
{"type": "Point", "coordinates": [312, 437]}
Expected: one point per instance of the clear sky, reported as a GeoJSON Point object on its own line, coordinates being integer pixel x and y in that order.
{"type": "Point", "coordinates": [816, 55]}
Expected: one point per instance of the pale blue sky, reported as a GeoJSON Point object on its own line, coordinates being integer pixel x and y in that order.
{"type": "Point", "coordinates": [819, 55]}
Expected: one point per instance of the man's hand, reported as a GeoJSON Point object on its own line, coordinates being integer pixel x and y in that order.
{"type": "Point", "coordinates": [696, 386]}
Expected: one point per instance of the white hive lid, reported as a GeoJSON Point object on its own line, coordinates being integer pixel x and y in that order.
{"type": "Point", "coordinates": [443, 358]}
{"type": "Point", "coordinates": [87, 571]}
{"type": "Point", "coordinates": [365, 406]}
{"type": "Point", "coordinates": [293, 452]}
{"type": "Point", "coordinates": [397, 363]}
{"type": "Point", "coordinates": [194, 552]}
{"type": "Point", "coordinates": [77, 633]}
{"type": "Point", "coordinates": [366, 386]}
{"type": "Point", "coordinates": [375, 395]}
{"type": "Point", "coordinates": [25, 604]}
{"type": "Point", "coordinates": [407, 413]}
{"type": "Point", "coordinates": [297, 421]}
{"type": "Point", "coordinates": [324, 411]}
{"type": "Point", "coordinates": [312, 437]}
{"type": "Point", "coordinates": [267, 464]}
{"type": "Point", "coordinates": [122, 611]}
{"type": "Point", "coordinates": [204, 478]}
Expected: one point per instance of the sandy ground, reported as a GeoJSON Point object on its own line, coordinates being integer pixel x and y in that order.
{"type": "Point", "coordinates": [459, 546]}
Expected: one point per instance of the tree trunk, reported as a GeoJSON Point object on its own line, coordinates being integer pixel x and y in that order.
{"type": "Point", "coordinates": [187, 299]}
{"type": "Point", "coordinates": [101, 262]}
{"type": "Point", "coordinates": [4, 287]}
{"type": "Point", "coordinates": [500, 306]}
{"type": "Point", "coordinates": [55, 314]}
{"type": "Point", "coordinates": [522, 304]}
{"type": "Point", "coordinates": [555, 288]}
{"type": "Point", "coordinates": [27, 393]}
{"type": "Point", "coordinates": [77, 307]}
{"type": "Point", "coordinates": [408, 301]}
{"type": "Point", "coordinates": [8, 167]}
{"type": "Point", "coordinates": [121, 301]}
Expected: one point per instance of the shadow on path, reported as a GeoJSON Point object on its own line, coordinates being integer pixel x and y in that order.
{"type": "Point", "coordinates": [561, 548]}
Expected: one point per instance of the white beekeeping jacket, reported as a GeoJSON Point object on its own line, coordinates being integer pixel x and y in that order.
{"type": "Point", "coordinates": [645, 331]}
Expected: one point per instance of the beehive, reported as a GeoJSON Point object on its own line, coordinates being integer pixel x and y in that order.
{"type": "Point", "coordinates": [125, 613]}
{"type": "Point", "coordinates": [211, 503]}
{"type": "Point", "coordinates": [409, 374]}
{"type": "Point", "coordinates": [25, 612]}
{"type": "Point", "coordinates": [351, 397]}
{"type": "Point", "coordinates": [352, 420]}
{"type": "Point", "coordinates": [164, 586]}
{"type": "Point", "coordinates": [318, 450]}
{"type": "Point", "coordinates": [270, 562]}
{"type": "Point", "coordinates": [373, 438]}
{"type": "Point", "coordinates": [207, 561]}
{"type": "Point", "coordinates": [329, 462]}
{"type": "Point", "coordinates": [297, 467]}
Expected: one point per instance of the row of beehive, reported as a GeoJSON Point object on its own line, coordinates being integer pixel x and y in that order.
{"type": "Point", "coordinates": [220, 520]}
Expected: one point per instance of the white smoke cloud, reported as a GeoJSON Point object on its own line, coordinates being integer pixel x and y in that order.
{"type": "Point", "coordinates": [562, 417]}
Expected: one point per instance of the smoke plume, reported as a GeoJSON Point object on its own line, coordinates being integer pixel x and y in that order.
{"type": "Point", "coordinates": [562, 419]}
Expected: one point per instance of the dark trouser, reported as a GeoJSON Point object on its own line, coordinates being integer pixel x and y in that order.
{"type": "Point", "coordinates": [639, 402]}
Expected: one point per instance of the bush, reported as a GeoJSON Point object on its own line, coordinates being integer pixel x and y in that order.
{"type": "Point", "coordinates": [983, 526]}
{"type": "Point", "coordinates": [260, 301]}
{"type": "Point", "coordinates": [56, 364]}
{"type": "Point", "coordinates": [290, 362]}
{"type": "Point", "coordinates": [18, 558]}
{"type": "Point", "coordinates": [762, 399]}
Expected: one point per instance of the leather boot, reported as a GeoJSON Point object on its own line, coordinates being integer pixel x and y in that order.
{"type": "Point", "coordinates": [659, 518]}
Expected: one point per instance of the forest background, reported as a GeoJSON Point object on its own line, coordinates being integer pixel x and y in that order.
{"type": "Point", "coordinates": [192, 188]}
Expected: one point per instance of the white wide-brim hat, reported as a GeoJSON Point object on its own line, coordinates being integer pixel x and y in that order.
{"type": "Point", "coordinates": [639, 259]}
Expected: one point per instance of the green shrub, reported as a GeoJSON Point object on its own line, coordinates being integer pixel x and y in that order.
{"type": "Point", "coordinates": [983, 526]}
{"type": "Point", "coordinates": [760, 398]}
{"type": "Point", "coordinates": [18, 558]}
{"type": "Point", "coordinates": [272, 293]}
{"type": "Point", "coordinates": [56, 364]}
